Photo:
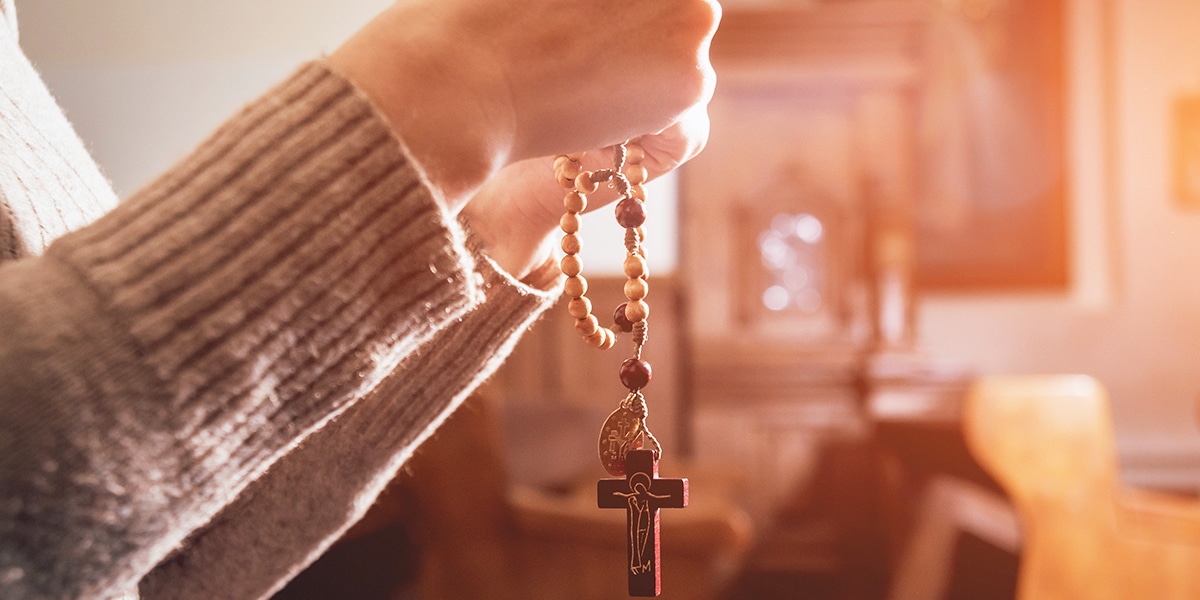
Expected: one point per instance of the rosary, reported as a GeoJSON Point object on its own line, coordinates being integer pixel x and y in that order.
{"type": "Point", "coordinates": [627, 448]}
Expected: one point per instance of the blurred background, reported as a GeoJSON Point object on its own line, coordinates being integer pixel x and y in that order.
{"type": "Point", "coordinates": [900, 197]}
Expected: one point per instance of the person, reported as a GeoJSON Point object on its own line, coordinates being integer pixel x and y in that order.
{"type": "Point", "coordinates": [203, 386]}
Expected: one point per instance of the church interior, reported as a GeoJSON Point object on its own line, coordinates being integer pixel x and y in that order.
{"type": "Point", "coordinates": [926, 309]}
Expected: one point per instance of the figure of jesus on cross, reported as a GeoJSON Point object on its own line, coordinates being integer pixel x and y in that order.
{"type": "Point", "coordinates": [641, 494]}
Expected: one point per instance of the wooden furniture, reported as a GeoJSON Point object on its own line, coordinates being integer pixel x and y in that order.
{"type": "Point", "coordinates": [797, 272]}
{"type": "Point", "coordinates": [1049, 441]}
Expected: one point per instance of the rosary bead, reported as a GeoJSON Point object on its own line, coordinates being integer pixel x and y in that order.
{"type": "Point", "coordinates": [635, 289]}
{"type": "Point", "coordinates": [575, 202]}
{"type": "Point", "coordinates": [622, 321]}
{"type": "Point", "coordinates": [634, 154]}
{"type": "Point", "coordinates": [579, 307]}
{"type": "Point", "coordinates": [571, 265]}
{"type": "Point", "coordinates": [635, 173]}
{"type": "Point", "coordinates": [566, 170]}
{"type": "Point", "coordinates": [631, 213]}
{"type": "Point", "coordinates": [570, 244]}
{"type": "Point", "coordinates": [635, 374]}
{"type": "Point", "coordinates": [569, 222]}
{"type": "Point", "coordinates": [587, 325]}
{"type": "Point", "coordinates": [584, 183]}
{"type": "Point", "coordinates": [637, 192]}
{"type": "Point", "coordinates": [597, 339]}
{"type": "Point", "coordinates": [635, 266]}
{"type": "Point", "coordinates": [610, 340]}
{"type": "Point", "coordinates": [575, 286]}
{"type": "Point", "coordinates": [637, 310]}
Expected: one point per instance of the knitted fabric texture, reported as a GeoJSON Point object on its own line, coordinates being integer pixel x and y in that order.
{"type": "Point", "coordinates": [292, 280]}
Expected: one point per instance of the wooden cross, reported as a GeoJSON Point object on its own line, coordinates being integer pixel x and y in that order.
{"type": "Point", "coordinates": [641, 493]}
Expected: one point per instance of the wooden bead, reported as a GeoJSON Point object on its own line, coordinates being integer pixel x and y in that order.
{"type": "Point", "coordinates": [570, 244]}
{"type": "Point", "coordinates": [575, 202]}
{"type": "Point", "coordinates": [571, 265]}
{"type": "Point", "coordinates": [622, 322]}
{"type": "Point", "coordinates": [584, 183]}
{"type": "Point", "coordinates": [587, 325]}
{"type": "Point", "coordinates": [638, 192]}
{"type": "Point", "coordinates": [631, 213]}
{"type": "Point", "coordinates": [637, 310]}
{"type": "Point", "coordinates": [636, 289]}
{"type": "Point", "coordinates": [566, 170]}
{"type": "Point", "coordinates": [569, 222]}
{"type": "Point", "coordinates": [576, 156]}
{"type": "Point", "coordinates": [575, 286]}
{"type": "Point", "coordinates": [635, 154]}
{"type": "Point", "coordinates": [597, 338]}
{"type": "Point", "coordinates": [610, 340]}
{"type": "Point", "coordinates": [635, 266]}
{"type": "Point", "coordinates": [636, 174]}
{"type": "Point", "coordinates": [635, 374]}
{"type": "Point", "coordinates": [579, 307]}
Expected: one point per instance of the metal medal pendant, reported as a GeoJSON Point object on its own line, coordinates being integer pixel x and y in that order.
{"type": "Point", "coordinates": [619, 432]}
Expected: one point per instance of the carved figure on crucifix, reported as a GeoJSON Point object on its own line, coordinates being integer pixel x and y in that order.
{"type": "Point", "coordinates": [641, 493]}
{"type": "Point", "coordinates": [639, 520]}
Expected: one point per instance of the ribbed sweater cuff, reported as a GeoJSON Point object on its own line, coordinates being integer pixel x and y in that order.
{"type": "Point", "coordinates": [279, 271]}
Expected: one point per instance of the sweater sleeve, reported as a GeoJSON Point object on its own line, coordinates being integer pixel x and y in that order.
{"type": "Point", "coordinates": [308, 499]}
{"type": "Point", "coordinates": [157, 362]}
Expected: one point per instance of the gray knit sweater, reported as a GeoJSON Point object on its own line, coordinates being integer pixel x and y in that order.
{"type": "Point", "coordinates": [202, 386]}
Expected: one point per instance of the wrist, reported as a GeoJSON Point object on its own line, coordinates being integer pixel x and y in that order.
{"type": "Point", "coordinates": [439, 98]}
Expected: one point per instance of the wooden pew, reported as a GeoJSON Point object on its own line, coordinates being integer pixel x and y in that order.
{"type": "Point", "coordinates": [1049, 441]}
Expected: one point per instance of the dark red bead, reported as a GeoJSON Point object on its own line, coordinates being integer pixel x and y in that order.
{"type": "Point", "coordinates": [635, 374]}
{"type": "Point", "coordinates": [621, 320]}
{"type": "Point", "coordinates": [631, 212]}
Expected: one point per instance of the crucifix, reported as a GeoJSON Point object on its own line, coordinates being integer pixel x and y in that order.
{"type": "Point", "coordinates": [627, 448]}
{"type": "Point", "coordinates": [641, 493]}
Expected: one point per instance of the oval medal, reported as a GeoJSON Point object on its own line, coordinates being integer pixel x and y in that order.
{"type": "Point", "coordinates": [620, 430]}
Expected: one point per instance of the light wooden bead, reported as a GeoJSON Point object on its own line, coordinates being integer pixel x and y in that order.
{"type": "Point", "coordinates": [587, 326]}
{"type": "Point", "coordinates": [569, 222]}
{"type": "Point", "coordinates": [634, 154]}
{"type": "Point", "coordinates": [610, 339]}
{"type": "Point", "coordinates": [636, 174]}
{"type": "Point", "coordinates": [576, 156]}
{"type": "Point", "coordinates": [636, 191]}
{"type": "Point", "coordinates": [584, 183]}
{"type": "Point", "coordinates": [566, 170]}
{"type": "Point", "coordinates": [637, 310]}
{"type": "Point", "coordinates": [575, 287]}
{"type": "Point", "coordinates": [635, 266]}
{"type": "Point", "coordinates": [570, 244]}
{"type": "Point", "coordinates": [596, 339]}
{"type": "Point", "coordinates": [571, 265]}
{"type": "Point", "coordinates": [579, 307]}
{"type": "Point", "coordinates": [574, 202]}
{"type": "Point", "coordinates": [636, 289]}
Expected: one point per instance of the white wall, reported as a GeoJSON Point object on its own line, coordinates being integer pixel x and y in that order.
{"type": "Point", "coordinates": [1133, 317]}
{"type": "Point", "coordinates": [145, 80]}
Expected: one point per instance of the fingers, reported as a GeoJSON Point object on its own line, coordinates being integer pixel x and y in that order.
{"type": "Point", "coordinates": [670, 148]}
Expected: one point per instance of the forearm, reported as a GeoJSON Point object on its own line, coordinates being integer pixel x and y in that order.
{"type": "Point", "coordinates": [309, 498]}
{"type": "Point", "coordinates": [159, 360]}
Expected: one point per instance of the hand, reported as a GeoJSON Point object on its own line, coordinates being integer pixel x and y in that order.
{"type": "Point", "coordinates": [472, 86]}
{"type": "Point", "coordinates": [515, 214]}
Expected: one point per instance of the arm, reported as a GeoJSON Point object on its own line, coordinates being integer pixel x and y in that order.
{"type": "Point", "coordinates": [157, 362]}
